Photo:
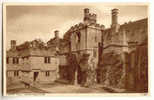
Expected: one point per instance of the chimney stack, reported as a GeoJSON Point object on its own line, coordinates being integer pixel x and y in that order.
{"type": "Point", "coordinates": [56, 33]}
{"type": "Point", "coordinates": [114, 17]}
{"type": "Point", "coordinates": [86, 12]}
{"type": "Point", "coordinates": [86, 15]}
{"type": "Point", "coordinates": [115, 26]}
{"type": "Point", "coordinates": [13, 44]}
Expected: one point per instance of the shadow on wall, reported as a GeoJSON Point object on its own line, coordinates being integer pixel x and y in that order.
{"type": "Point", "coordinates": [130, 74]}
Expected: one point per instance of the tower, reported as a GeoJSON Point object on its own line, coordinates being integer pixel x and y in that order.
{"type": "Point", "coordinates": [89, 18]}
{"type": "Point", "coordinates": [85, 39]}
{"type": "Point", "coordinates": [86, 36]}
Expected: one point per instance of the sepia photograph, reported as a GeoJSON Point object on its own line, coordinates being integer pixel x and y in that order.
{"type": "Point", "coordinates": [75, 48]}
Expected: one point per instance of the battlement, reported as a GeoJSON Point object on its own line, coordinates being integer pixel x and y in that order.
{"type": "Point", "coordinates": [76, 27]}
{"type": "Point", "coordinates": [92, 16]}
{"type": "Point", "coordinates": [81, 26]}
{"type": "Point", "coordinates": [89, 18]}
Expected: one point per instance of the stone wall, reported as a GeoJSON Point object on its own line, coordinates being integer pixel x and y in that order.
{"type": "Point", "coordinates": [110, 71]}
{"type": "Point", "coordinates": [94, 37]}
{"type": "Point", "coordinates": [122, 57]}
{"type": "Point", "coordinates": [38, 63]}
{"type": "Point", "coordinates": [127, 70]}
{"type": "Point", "coordinates": [42, 78]}
{"type": "Point", "coordinates": [137, 69]}
{"type": "Point", "coordinates": [42, 67]}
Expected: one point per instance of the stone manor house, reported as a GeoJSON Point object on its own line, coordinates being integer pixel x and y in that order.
{"type": "Point", "coordinates": [120, 54]}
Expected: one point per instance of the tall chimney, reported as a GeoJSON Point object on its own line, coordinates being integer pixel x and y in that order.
{"type": "Point", "coordinates": [13, 44]}
{"type": "Point", "coordinates": [86, 15]}
{"type": "Point", "coordinates": [56, 33]}
{"type": "Point", "coordinates": [114, 17]}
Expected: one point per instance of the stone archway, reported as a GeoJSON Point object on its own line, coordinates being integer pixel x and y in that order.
{"type": "Point", "coordinates": [73, 69]}
{"type": "Point", "coordinates": [82, 67]}
{"type": "Point", "coordinates": [35, 76]}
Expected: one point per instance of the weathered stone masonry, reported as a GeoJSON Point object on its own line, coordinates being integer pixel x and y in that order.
{"type": "Point", "coordinates": [118, 55]}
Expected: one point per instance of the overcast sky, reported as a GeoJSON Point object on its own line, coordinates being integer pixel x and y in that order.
{"type": "Point", "coordinates": [25, 23]}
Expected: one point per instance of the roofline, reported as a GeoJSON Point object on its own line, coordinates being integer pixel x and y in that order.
{"type": "Point", "coordinates": [34, 56]}
{"type": "Point", "coordinates": [128, 23]}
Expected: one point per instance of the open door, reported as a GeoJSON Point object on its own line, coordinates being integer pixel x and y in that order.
{"type": "Point", "coordinates": [35, 75]}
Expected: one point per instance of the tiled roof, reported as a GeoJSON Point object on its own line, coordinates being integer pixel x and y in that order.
{"type": "Point", "coordinates": [30, 51]}
{"type": "Point", "coordinates": [131, 25]}
{"type": "Point", "coordinates": [135, 31]}
{"type": "Point", "coordinates": [135, 24]}
{"type": "Point", "coordinates": [37, 48]}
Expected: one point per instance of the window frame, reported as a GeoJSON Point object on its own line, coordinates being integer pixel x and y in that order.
{"type": "Point", "coordinates": [16, 73]}
{"type": "Point", "coordinates": [47, 60]}
{"type": "Point", "coordinates": [47, 73]}
{"type": "Point", "coordinates": [15, 60]}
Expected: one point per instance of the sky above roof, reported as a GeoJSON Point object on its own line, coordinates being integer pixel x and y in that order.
{"type": "Point", "coordinates": [26, 23]}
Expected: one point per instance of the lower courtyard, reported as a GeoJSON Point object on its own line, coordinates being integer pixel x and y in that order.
{"type": "Point", "coordinates": [89, 58]}
{"type": "Point", "coordinates": [58, 87]}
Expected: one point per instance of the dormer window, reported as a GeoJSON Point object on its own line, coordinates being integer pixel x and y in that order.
{"type": "Point", "coordinates": [46, 59]}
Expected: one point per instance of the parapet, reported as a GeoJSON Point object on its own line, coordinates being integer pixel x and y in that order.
{"type": "Point", "coordinates": [76, 27]}
{"type": "Point", "coordinates": [89, 18]}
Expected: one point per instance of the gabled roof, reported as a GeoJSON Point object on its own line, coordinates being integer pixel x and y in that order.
{"type": "Point", "coordinates": [35, 47]}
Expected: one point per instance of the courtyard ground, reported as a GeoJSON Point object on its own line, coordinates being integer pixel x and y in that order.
{"type": "Point", "coordinates": [19, 88]}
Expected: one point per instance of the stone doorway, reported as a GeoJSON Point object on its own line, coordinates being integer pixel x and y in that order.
{"type": "Point", "coordinates": [35, 75]}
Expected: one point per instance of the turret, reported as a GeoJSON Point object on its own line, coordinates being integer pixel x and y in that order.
{"type": "Point", "coordinates": [89, 18]}
{"type": "Point", "coordinates": [93, 18]}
